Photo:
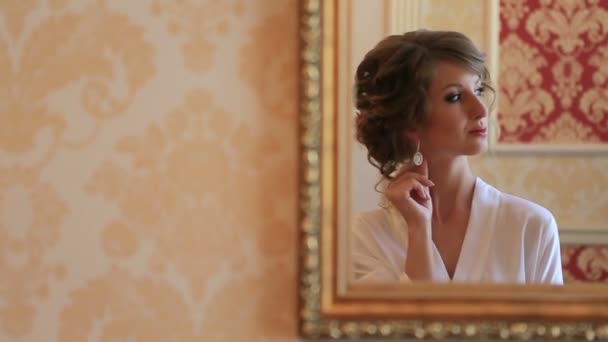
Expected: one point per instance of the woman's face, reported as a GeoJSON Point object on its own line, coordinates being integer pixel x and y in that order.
{"type": "Point", "coordinates": [457, 117]}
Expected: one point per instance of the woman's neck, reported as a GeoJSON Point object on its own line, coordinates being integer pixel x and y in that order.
{"type": "Point", "coordinates": [454, 184]}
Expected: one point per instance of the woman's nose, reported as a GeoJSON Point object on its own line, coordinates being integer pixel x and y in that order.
{"type": "Point", "coordinates": [478, 107]}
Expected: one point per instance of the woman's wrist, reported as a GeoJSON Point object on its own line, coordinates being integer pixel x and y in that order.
{"type": "Point", "coordinates": [419, 232]}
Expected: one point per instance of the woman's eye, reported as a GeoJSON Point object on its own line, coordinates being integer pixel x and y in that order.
{"type": "Point", "coordinates": [479, 91]}
{"type": "Point", "coordinates": [453, 97]}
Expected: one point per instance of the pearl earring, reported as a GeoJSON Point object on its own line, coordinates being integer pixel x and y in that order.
{"type": "Point", "coordinates": [417, 158]}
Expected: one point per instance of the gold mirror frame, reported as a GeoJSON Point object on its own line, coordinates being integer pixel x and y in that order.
{"type": "Point", "coordinates": [415, 312]}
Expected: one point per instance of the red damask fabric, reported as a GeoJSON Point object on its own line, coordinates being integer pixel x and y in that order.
{"type": "Point", "coordinates": [585, 263]}
{"type": "Point", "coordinates": [553, 72]}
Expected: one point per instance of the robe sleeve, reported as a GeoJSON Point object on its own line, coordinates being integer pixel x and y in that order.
{"type": "Point", "coordinates": [549, 264]}
{"type": "Point", "coordinates": [370, 260]}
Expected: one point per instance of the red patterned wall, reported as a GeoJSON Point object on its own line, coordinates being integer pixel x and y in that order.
{"type": "Point", "coordinates": [553, 72]}
{"type": "Point", "coordinates": [585, 263]}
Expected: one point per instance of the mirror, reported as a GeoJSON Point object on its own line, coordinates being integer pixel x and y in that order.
{"type": "Point", "coordinates": [556, 158]}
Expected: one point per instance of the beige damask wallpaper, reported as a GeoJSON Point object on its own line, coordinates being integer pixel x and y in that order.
{"type": "Point", "coordinates": [148, 173]}
{"type": "Point", "coordinates": [147, 170]}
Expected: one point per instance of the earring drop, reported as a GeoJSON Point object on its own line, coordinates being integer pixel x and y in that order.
{"type": "Point", "coordinates": [417, 158]}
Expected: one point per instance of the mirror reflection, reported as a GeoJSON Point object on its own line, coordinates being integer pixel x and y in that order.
{"type": "Point", "coordinates": [421, 111]}
{"type": "Point", "coordinates": [468, 163]}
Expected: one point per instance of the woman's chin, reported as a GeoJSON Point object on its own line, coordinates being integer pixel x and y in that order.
{"type": "Point", "coordinates": [479, 148]}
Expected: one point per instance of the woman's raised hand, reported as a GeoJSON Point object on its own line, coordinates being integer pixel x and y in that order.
{"type": "Point", "coordinates": [409, 193]}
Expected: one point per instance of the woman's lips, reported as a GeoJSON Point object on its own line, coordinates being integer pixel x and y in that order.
{"type": "Point", "coordinates": [479, 132]}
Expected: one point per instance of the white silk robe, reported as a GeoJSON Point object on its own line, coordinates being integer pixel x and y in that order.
{"type": "Point", "coordinates": [508, 240]}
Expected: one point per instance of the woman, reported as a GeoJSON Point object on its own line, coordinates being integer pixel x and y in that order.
{"type": "Point", "coordinates": [421, 111]}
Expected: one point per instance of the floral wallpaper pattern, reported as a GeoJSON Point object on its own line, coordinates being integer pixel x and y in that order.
{"type": "Point", "coordinates": [553, 72]}
{"type": "Point", "coordinates": [148, 170]}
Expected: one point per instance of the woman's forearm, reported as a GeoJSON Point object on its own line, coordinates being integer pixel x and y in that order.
{"type": "Point", "coordinates": [423, 262]}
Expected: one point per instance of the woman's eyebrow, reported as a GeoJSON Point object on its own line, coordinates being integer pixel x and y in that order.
{"type": "Point", "coordinates": [457, 85]}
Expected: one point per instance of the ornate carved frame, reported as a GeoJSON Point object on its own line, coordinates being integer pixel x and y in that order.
{"type": "Point", "coordinates": [411, 311]}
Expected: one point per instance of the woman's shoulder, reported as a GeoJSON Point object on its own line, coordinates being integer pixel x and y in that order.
{"type": "Point", "coordinates": [371, 219]}
{"type": "Point", "coordinates": [513, 207]}
{"type": "Point", "coordinates": [380, 222]}
{"type": "Point", "coordinates": [379, 230]}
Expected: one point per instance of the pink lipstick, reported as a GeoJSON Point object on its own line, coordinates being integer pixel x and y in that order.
{"type": "Point", "coordinates": [481, 132]}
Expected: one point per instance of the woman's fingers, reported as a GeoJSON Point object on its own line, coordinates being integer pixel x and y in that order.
{"type": "Point", "coordinates": [421, 191]}
{"type": "Point", "coordinates": [410, 188]}
{"type": "Point", "coordinates": [409, 193]}
{"type": "Point", "coordinates": [422, 169]}
{"type": "Point", "coordinates": [424, 180]}
{"type": "Point", "coordinates": [409, 175]}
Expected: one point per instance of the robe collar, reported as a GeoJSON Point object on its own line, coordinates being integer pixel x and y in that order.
{"type": "Point", "coordinates": [480, 228]}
